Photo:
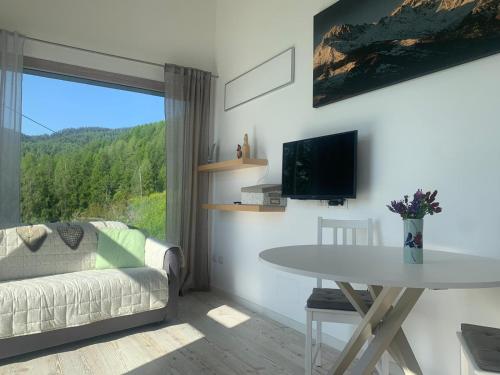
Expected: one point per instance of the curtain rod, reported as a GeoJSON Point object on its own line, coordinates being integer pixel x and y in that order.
{"type": "Point", "coordinates": [100, 53]}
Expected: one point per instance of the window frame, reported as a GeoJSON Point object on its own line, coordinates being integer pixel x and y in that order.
{"type": "Point", "coordinates": [75, 73]}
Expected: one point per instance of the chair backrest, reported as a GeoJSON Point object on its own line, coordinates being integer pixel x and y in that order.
{"type": "Point", "coordinates": [348, 232]}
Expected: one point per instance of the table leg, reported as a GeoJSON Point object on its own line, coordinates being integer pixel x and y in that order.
{"type": "Point", "coordinates": [364, 331]}
{"type": "Point", "coordinates": [387, 330]}
{"type": "Point", "coordinates": [399, 349]}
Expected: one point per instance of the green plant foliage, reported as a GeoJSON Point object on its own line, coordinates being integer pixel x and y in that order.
{"type": "Point", "coordinates": [148, 213]}
{"type": "Point", "coordinates": [101, 173]}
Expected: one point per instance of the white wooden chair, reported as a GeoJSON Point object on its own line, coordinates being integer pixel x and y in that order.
{"type": "Point", "coordinates": [330, 305]}
{"type": "Point", "coordinates": [468, 363]}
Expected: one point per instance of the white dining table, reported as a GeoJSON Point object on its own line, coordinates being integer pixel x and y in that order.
{"type": "Point", "coordinates": [395, 288]}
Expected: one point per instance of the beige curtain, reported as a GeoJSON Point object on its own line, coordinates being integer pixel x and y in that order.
{"type": "Point", "coordinates": [188, 115]}
{"type": "Point", "coordinates": [11, 75]}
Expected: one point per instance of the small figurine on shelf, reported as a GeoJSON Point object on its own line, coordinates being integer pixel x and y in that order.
{"type": "Point", "coordinates": [239, 153]}
{"type": "Point", "coordinates": [246, 147]}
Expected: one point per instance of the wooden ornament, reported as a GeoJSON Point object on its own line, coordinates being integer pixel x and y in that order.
{"type": "Point", "coordinates": [246, 147]}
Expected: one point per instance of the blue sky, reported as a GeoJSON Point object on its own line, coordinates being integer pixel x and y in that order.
{"type": "Point", "coordinates": [60, 104]}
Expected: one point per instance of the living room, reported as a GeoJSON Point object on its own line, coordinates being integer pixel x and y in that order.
{"type": "Point", "coordinates": [435, 130]}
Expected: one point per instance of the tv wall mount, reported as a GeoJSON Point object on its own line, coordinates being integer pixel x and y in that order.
{"type": "Point", "coordinates": [336, 202]}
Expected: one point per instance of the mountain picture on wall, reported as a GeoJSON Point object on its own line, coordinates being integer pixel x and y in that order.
{"type": "Point", "coordinates": [364, 45]}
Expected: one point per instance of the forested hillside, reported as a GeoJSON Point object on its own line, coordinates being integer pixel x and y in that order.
{"type": "Point", "coordinates": [87, 173]}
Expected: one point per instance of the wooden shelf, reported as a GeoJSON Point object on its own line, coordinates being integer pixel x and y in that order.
{"type": "Point", "coordinates": [228, 165]}
{"type": "Point", "coordinates": [243, 207]}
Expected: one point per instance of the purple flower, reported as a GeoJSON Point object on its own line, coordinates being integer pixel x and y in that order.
{"type": "Point", "coordinates": [421, 205]}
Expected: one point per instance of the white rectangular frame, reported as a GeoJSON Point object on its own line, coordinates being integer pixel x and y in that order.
{"type": "Point", "coordinates": [256, 69]}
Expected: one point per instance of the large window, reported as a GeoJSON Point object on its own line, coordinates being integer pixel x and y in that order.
{"type": "Point", "coordinates": [92, 152]}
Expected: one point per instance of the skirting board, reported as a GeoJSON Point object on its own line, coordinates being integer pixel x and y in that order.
{"type": "Point", "coordinates": [286, 321]}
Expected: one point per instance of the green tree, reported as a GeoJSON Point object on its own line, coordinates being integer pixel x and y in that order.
{"type": "Point", "coordinates": [94, 173]}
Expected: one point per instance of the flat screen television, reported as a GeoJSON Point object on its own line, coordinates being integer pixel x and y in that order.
{"type": "Point", "coordinates": [322, 168]}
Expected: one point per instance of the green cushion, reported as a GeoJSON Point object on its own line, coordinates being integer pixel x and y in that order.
{"type": "Point", "coordinates": [120, 248]}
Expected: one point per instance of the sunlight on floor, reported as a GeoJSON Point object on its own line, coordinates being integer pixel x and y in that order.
{"type": "Point", "coordinates": [227, 316]}
{"type": "Point", "coordinates": [175, 336]}
{"type": "Point", "coordinates": [184, 334]}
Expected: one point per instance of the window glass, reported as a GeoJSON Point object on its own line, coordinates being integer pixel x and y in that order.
{"type": "Point", "coordinates": [92, 152]}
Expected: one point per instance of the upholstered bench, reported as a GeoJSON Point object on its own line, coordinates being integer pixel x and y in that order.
{"type": "Point", "coordinates": [480, 350]}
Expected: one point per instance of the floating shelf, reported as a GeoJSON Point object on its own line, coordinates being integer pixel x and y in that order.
{"type": "Point", "coordinates": [228, 165]}
{"type": "Point", "coordinates": [243, 207]}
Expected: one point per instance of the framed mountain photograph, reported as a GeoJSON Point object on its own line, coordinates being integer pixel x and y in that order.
{"type": "Point", "coordinates": [364, 45]}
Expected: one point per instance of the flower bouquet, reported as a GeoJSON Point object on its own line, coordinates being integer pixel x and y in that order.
{"type": "Point", "coordinates": [413, 214]}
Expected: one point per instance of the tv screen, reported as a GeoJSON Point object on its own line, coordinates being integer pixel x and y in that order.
{"type": "Point", "coordinates": [321, 168]}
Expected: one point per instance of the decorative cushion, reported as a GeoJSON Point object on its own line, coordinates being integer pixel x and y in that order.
{"type": "Point", "coordinates": [71, 234]}
{"type": "Point", "coordinates": [32, 236]}
{"type": "Point", "coordinates": [334, 299]}
{"type": "Point", "coordinates": [120, 248]}
{"type": "Point", "coordinates": [484, 345]}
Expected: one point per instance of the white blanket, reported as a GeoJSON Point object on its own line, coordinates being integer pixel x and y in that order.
{"type": "Point", "coordinates": [72, 299]}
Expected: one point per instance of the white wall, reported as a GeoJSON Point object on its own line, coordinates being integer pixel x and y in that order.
{"type": "Point", "coordinates": [439, 131]}
{"type": "Point", "coordinates": [174, 31]}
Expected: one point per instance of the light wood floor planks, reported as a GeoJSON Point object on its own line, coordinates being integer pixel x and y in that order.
{"type": "Point", "coordinates": [213, 336]}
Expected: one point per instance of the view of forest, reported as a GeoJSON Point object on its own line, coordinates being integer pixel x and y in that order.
{"type": "Point", "coordinates": [96, 173]}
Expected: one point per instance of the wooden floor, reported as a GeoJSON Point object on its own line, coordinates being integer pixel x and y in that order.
{"type": "Point", "coordinates": [214, 336]}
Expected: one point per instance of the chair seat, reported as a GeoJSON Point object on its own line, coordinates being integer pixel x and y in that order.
{"type": "Point", "coordinates": [334, 299]}
{"type": "Point", "coordinates": [484, 345]}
